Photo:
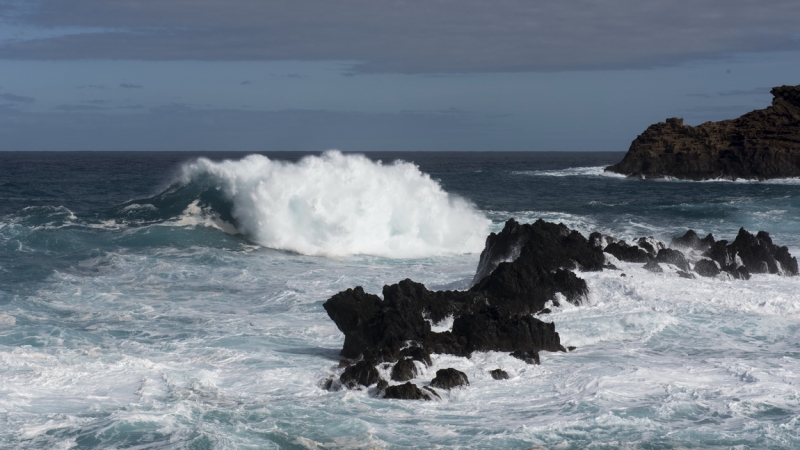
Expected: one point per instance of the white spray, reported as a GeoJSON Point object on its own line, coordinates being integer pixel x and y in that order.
{"type": "Point", "coordinates": [336, 205]}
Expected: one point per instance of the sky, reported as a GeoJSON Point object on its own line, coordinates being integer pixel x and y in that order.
{"type": "Point", "coordinates": [384, 75]}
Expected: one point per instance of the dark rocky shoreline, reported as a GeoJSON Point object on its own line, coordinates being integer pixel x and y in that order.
{"type": "Point", "coordinates": [521, 270]}
{"type": "Point", "coordinates": [758, 145]}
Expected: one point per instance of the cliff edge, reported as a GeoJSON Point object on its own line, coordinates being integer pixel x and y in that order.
{"type": "Point", "coordinates": [758, 145]}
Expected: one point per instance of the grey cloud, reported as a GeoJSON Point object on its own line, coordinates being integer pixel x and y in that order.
{"type": "Point", "coordinates": [93, 107]}
{"type": "Point", "coordinates": [245, 83]}
{"type": "Point", "coordinates": [130, 86]}
{"type": "Point", "coordinates": [91, 86]}
{"type": "Point", "coordinates": [446, 36]}
{"type": "Point", "coordinates": [17, 98]}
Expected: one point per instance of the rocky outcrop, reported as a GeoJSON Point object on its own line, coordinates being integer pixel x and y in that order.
{"type": "Point", "coordinates": [499, 312]}
{"type": "Point", "coordinates": [756, 254]}
{"type": "Point", "coordinates": [449, 379]}
{"type": "Point", "coordinates": [758, 145]}
{"type": "Point", "coordinates": [495, 314]}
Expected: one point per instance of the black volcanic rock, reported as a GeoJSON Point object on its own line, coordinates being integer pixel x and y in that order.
{"type": "Point", "coordinates": [552, 245]}
{"type": "Point", "coordinates": [490, 329]}
{"type": "Point", "coordinates": [674, 257]}
{"type": "Point", "coordinates": [630, 253]}
{"type": "Point", "coordinates": [752, 254]}
{"type": "Point", "coordinates": [758, 145]}
{"type": "Point", "coordinates": [691, 240]}
{"type": "Point", "coordinates": [706, 268]}
{"type": "Point", "coordinates": [407, 391]}
{"type": "Point", "coordinates": [449, 378]}
{"type": "Point", "coordinates": [654, 267]}
{"type": "Point", "coordinates": [404, 370]}
{"type": "Point", "coordinates": [650, 245]}
{"type": "Point", "coordinates": [417, 354]}
{"type": "Point", "coordinates": [529, 356]}
{"type": "Point", "coordinates": [760, 255]}
{"type": "Point", "coordinates": [363, 373]}
{"type": "Point", "coordinates": [499, 374]}
{"type": "Point", "coordinates": [719, 253]}
{"type": "Point", "coordinates": [498, 312]}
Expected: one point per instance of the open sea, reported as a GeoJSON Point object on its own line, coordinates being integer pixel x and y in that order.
{"type": "Point", "coordinates": [174, 300]}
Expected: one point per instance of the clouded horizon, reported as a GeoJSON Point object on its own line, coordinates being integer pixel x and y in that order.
{"type": "Point", "coordinates": [381, 75]}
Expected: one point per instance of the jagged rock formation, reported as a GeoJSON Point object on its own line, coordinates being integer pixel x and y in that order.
{"type": "Point", "coordinates": [758, 145]}
{"type": "Point", "coordinates": [497, 312]}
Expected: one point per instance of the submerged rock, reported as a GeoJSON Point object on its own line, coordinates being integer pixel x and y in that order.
{"type": "Point", "coordinates": [529, 356]}
{"type": "Point", "coordinates": [758, 145]}
{"type": "Point", "coordinates": [499, 374]}
{"type": "Point", "coordinates": [449, 378]}
{"type": "Point", "coordinates": [407, 391]}
{"type": "Point", "coordinates": [654, 267]}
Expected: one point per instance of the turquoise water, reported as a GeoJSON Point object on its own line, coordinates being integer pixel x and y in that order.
{"type": "Point", "coordinates": [154, 300]}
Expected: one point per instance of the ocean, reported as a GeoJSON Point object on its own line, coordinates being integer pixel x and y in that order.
{"type": "Point", "coordinates": [174, 300]}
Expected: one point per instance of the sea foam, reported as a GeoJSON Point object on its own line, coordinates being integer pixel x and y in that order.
{"type": "Point", "coordinates": [337, 205]}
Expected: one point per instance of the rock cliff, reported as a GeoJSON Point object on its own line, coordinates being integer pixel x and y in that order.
{"type": "Point", "coordinates": [758, 145]}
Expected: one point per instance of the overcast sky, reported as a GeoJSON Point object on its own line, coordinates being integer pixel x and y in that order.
{"type": "Point", "coordinates": [362, 75]}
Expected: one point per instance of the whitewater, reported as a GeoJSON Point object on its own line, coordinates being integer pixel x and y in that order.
{"type": "Point", "coordinates": [172, 300]}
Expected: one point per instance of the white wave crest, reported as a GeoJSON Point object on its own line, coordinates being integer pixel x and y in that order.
{"type": "Point", "coordinates": [338, 205]}
{"type": "Point", "coordinates": [594, 171]}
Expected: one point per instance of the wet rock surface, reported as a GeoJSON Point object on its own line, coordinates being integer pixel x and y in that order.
{"type": "Point", "coordinates": [654, 267]}
{"type": "Point", "coordinates": [404, 370]}
{"type": "Point", "coordinates": [449, 379]}
{"type": "Point", "coordinates": [362, 373]}
{"type": "Point", "coordinates": [499, 374]}
{"type": "Point", "coordinates": [706, 268]}
{"type": "Point", "coordinates": [758, 145]}
{"type": "Point", "coordinates": [529, 356]}
{"type": "Point", "coordinates": [674, 257]}
{"type": "Point", "coordinates": [498, 313]}
{"type": "Point", "coordinates": [407, 391]}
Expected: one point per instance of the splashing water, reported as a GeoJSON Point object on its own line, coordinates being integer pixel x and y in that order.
{"type": "Point", "coordinates": [337, 205]}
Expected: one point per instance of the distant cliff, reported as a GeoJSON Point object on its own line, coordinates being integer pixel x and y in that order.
{"type": "Point", "coordinates": [758, 145]}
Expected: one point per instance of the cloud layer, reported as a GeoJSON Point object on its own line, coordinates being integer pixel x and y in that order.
{"type": "Point", "coordinates": [407, 36]}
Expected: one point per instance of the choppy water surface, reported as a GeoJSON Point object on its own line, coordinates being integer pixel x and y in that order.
{"type": "Point", "coordinates": [158, 300]}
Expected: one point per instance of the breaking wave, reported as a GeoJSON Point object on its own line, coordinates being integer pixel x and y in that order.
{"type": "Point", "coordinates": [329, 205]}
